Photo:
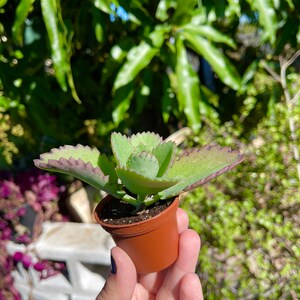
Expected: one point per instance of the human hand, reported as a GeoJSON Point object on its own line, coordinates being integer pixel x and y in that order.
{"type": "Point", "coordinates": [178, 282]}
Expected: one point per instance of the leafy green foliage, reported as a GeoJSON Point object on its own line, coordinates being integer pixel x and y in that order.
{"type": "Point", "coordinates": [133, 66]}
{"type": "Point", "coordinates": [8, 140]}
{"type": "Point", "coordinates": [248, 221]}
{"type": "Point", "coordinates": [22, 12]}
{"type": "Point", "coordinates": [188, 86]}
{"type": "Point", "coordinates": [267, 18]}
{"type": "Point", "coordinates": [145, 166]}
{"type": "Point", "coordinates": [225, 70]}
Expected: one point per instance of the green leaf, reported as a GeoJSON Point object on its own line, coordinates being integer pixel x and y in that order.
{"type": "Point", "coordinates": [85, 153]}
{"type": "Point", "coordinates": [141, 185]}
{"type": "Point", "coordinates": [4, 102]}
{"type": "Point", "coordinates": [267, 18]}
{"type": "Point", "coordinates": [167, 101]}
{"type": "Point", "coordinates": [233, 8]}
{"type": "Point", "coordinates": [82, 163]}
{"type": "Point", "coordinates": [49, 10]}
{"type": "Point", "coordinates": [143, 93]}
{"type": "Point", "coordinates": [199, 16]}
{"type": "Point", "coordinates": [165, 153]}
{"type": "Point", "coordinates": [117, 55]}
{"type": "Point", "coordinates": [22, 12]}
{"type": "Point", "coordinates": [221, 65]}
{"type": "Point", "coordinates": [71, 83]}
{"type": "Point", "coordinates": [291, 4]}
{"type": "Point", "coordinates": [121, 102]}
{"type": "Point", "coordinates": [59, 45]}
{"type": "Point", "coordinates": [104, 5]}
{"type": "Point", "coordinates": [139, 57]}
{"type": "Point", "coordinates": [108, 168]}
{"type": "Point", "coordinates": [121, 147]}
{"type": "Point", "coordinates": [149, 139]}
{"type": "Point", "coordinates": [137, 13]}
{"type": "Point", "coordinates": [211, 34]}
{"type": "Point", "coordinates": [249, 75]}
{"type": "Point", "coordinates": [197, 166]}
{"type": "Point", "coordinates": [162, 9]}
{"type": "Point", "coordinates": [143, 163]}
{"type": "Point", "coordinates": [184, 11]}
{"type": "Point", "coordinates": [3, 2]}
{"type": "Point", "coordinates": [206, 108]}
{"type": "Point", "coordinates": [99, 25]}
{"type": "Point", "coordinates": [188, 92]}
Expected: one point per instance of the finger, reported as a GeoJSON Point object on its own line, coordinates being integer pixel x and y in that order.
{"type": "Point", "coordinates": [189, 246]}
{"type": "Point", "coordinates": [190, 287]}
{"type": "Point", "coordinates": [121, 281]}
{"type": "Point", "coordinates": [182, 220]}
{"type": "Point", "coordinates": [153, 281]}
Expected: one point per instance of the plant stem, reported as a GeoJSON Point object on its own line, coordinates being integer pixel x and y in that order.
{"type": "Point", "coordinates": [140, 204]}
{"type": "Point", "coordinates": [141, 200]}
{"type": "Point", "coordinates": [130, 200]}
{"type": "Point", "coordinates": [151, 200]}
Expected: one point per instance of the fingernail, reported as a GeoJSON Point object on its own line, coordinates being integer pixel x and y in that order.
{"type": "Point", "coordinates": [113, 267]}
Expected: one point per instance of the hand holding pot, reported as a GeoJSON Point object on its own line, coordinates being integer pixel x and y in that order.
{"type": "Point", "coordinates": [178, 282]}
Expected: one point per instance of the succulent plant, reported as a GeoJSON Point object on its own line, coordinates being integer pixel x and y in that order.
{"type": "Point", "coordinates": [146, 168]}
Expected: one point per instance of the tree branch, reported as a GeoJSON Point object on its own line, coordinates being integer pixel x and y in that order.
{"type": "Point", "coordinates": [271, 72]}
{"type": "Point", "coordinates": [289, 102]}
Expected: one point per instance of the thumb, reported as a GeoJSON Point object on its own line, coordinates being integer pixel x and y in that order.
{"type": "Point", "coordinates": [122, 279]}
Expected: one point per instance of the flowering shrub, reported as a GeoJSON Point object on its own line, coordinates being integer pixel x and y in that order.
{"type": "Point", "coordinates": [30, 191]}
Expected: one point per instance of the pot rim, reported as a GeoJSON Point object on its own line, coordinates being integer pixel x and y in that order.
{"type": "Point", "coordinates": [151, 223]}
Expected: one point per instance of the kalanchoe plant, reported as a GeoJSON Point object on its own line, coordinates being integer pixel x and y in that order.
{"type": "Point", "coordinates": [145, 170]}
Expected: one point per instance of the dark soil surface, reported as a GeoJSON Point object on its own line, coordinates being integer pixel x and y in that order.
{"type": "Point", "coordinates": [118, 212]}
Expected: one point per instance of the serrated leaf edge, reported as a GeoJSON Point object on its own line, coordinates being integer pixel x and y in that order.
{"type": "Point", "coordinates": [240, 158]}
{"type": "Point", "coordinates": [64, 163]}
{"type": "Point", "coordinates": [227, 149]}
{"type": "Point", "coordinates": [70, 164]}
{"type": "Point", "coordinates": [66, 147]}
{"type": "Point", "coordinates": [145, 133]}
{"type": "Point", "coordinates": [212, 176]}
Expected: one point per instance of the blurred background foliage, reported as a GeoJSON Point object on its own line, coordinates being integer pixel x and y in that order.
{"type": "Point", "coordinates": [73, 71]}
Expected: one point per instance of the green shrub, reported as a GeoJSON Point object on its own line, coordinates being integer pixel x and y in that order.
{"type": "Point", "coordinates": [134, 65]}
{"type": "Point", "coordinates": [8, 140]}
{"type": "Point", "coordinates": [249, 219]}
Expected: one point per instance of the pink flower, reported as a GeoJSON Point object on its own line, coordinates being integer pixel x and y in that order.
{"type": "Point", "coordinates": [40, 266]}
{"type": "Point", "coordinates": [5, 190]}
{"type": "Point", "coordinates": [23, 238]}
{"type": "Point", "coordinates": [18, 256]}
{"type": "Point", "coordinates": [3, 224]}
{"type": "Point", "coordinates": [6, 233]}
{"type": "Point", "coordinates": [26, 261]}
{"type": "Point", "coordinates": [10, 215]}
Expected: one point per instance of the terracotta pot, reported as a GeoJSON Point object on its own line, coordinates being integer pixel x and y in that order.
{"type": "Point", "coordinates": [151, 244]}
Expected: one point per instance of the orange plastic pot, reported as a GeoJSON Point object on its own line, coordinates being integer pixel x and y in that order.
{"type": "Point", "coordinates": [151, 244]}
